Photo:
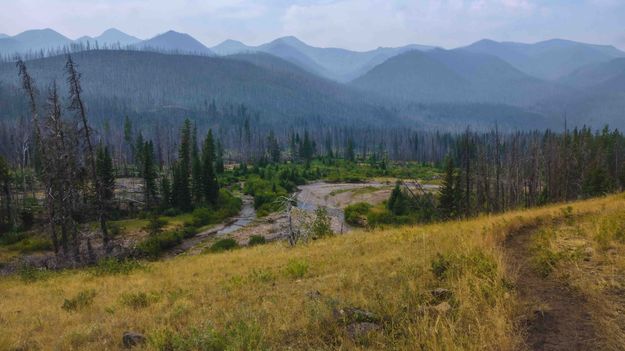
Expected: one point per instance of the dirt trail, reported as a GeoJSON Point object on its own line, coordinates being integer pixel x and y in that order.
{"type": "Point", "coordinates": [556, 316]}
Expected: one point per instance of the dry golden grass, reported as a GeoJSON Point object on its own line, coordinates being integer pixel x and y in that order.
{"type": "Point", "coordinates": [257, 298]}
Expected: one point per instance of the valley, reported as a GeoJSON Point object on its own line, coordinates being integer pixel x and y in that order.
{"type": "Point", "coordinates": [312, 175]}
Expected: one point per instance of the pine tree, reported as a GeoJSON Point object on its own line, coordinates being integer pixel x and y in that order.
{"type": "Point", "coordinates": [447, 204]}
{"type": "Point", "coordinates": [273, 147]}
{"type": "Point", "coordinates": [105, 172]}
{"type": "Point", "coordinates": [219, 158]}
{"type": "Point", "coordinates": [196, 170]}
{"type": "Point", "coordinates": [165, 193]}
{"type": "Point", "coordinates": [149, 174]}
{"type": "Point", "coordinates": [210, 185]}
{"type": "Point", "coordinates": [181, 192]}
{"type": "Point", "coordinates": [349, 150]}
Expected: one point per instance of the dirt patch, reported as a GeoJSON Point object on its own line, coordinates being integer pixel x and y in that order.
{"type": "Point", "coordinates": [555, 316]}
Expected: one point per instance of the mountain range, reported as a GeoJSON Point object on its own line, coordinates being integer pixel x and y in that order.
{"type": "Point", "coordinates": [289, 80]}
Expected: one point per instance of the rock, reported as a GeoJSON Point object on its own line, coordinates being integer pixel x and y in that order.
{"type": "Point", "coordinates": [132, 339]}
{"type": "Point", "coordinates": [441, 293]}
{"type": "Point", "coordinates": [313, 295]}
{"type": "Point", "coordinates": [588, 252]}
{"type": "Point", "coordinates": [442, 307]}
{"type": "Point", "coordinates": [358, 330]}
{"type": "Point", "coordinates": [356, 315]}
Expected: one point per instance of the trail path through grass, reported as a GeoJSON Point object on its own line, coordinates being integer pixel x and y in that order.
{"type": "Point", "coordinates": [556, 316]}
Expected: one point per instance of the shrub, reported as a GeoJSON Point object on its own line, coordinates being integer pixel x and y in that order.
{"type": "Point", "coordinates": [296, 269]}
{"type": "Point", "coordinates": [137, 300]}
{"type": "Point", "coordinates": [11, 237]}
{"type": "Point", "coordinates": [224, 245]}
{"type": "Point", "coordinates": [110, 266]}
{"type": "Point", "coordinates": [202, 216]}
{"type": "Point", "coordinates": [154, 245]}
{"type": "Point", "coordinates": [257, 240]}
{"type": "Point", "coordinates": [356, 214]}
{"type": "Point", "coordinates": [82, 300]}
{"type": "Point", "coordinates": [321, 225]}
{"type": "Point", "coordinates": [440, 265]}
{"type": "Point", "coordinates": [32, 245]}
{"type": "Point", "coordinates": [155, 225]}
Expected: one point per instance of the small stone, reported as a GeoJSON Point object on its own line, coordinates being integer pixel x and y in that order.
{"type": "Point", "coordinates": [357, 315]}
{"type": "Point", "coordinates": [442, 307]}
{"type": "Point", "coordinates": [358, 330]}
{"type": "Point", "coordinates": [132, 339]}
{"type": "Point", "coordinates": [313, 295]}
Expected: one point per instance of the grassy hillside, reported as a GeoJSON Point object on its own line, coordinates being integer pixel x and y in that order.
{"type": "Point", "coordinates": [275, 297]}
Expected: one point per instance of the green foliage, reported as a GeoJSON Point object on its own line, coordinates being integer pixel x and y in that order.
{"type": "Point", "coordinates": [226, 244]}
{"type": "Point", "coordinates": [153, 246]}
{"type": "Point", "coordinates": [296, 268]}
{"type": "Point", "coordinates": [155, 224]}
{"type": "Point", "coordinates": [321, 225]}
{"type": "Point", "coordinates": [137, 300]}
{"type": "Point", "coordinates": [81, 300]}
{"type": "Point", "coordinates": [113, 266]}
{"type": "Point", "coordinates": [257, 240]}
{"type": "Point", "coordinates": [238, 335]}
{"type": "Point", "coordinates": [202, 216]}
{"type": "Point", "coordinates": [456, 265]}
{"type": "Point", "coordinates": [356, 214]}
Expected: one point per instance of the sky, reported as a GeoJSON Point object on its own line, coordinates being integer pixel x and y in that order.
{"type": "Point", "coordinates": [351, 24]}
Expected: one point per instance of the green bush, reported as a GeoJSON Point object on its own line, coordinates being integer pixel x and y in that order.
{"type": "Point", "coordinates": [81, 300]}
{"type": "Point", "coordinates": [356, 214]}
{"type": "Point", "coordinates": [32, 245]}
{"type": "Point", "coordinates": [137, 300]}
{"type": "Point", "coordinates": [11, 237]}
{"type": "Point", "coordinates": [154, 245]}
{"type": "Point", "coordinates": [257, 240]}
{"type": "Point", "coordinates": [224, 245]}
{"type": "Point", "coordinates": [202, 216]}
{"type": "Point", "coordinates": [110, 266]}
{"type": "Point", "coordinates": [296, 268]}
{"type": "Point", "coordinates": [322, 225]}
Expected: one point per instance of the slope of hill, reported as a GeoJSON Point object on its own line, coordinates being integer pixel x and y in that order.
{"type": "Point", "coordinates": [590, 75]}
{"type": "Point", "coordinates": [334, 63]}
{"type": "Point", "coordinates": [110, 37]}
{"type": "Point", "coordinates": [454, 76]}
{"type": "Point", "coordinates": [232, 47]}
{"type": "Point", "coordinates": [549, 59]}
{"type": "Point", "coordinates": [415, 76]}
{"type": "Point", "coordinates": [33, 41]}
{"type": "Point", "coordinates": [444, 286]}
{"type": "Point", "coordinates": [115, 81]}
{"type": "Point", "coordinates": [174, 42]}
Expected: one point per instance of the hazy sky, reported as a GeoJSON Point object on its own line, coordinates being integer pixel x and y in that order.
{"type": "Point", "coordinates": [354, 24]}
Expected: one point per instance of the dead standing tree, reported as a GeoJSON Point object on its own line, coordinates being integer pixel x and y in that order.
{"type": "Point", "coordinates": [77, 105]}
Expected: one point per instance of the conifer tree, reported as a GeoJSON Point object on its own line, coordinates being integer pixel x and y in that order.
{"type": "Point", "coordinates": [447, 202]}
{"type": "Point", "coordinates": [149, 174]}
{"type": "Point", "coordinates": [210, 185]}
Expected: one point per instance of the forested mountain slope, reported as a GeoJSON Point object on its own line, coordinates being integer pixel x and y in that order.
{"type": "Point", "coordinates": [454, 76]}
{"type": "Point", "coordinates": [550, 59]}
{"type": "Point", "coordinates": [117, 82]}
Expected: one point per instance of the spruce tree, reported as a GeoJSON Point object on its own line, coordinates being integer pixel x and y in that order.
{"type": "Point", "coordinates": [210, 186]}
{"type": "Point", "coordinates": [105, 172]}
{"type": "Point", "coordinates": [165, 193]}
{"type": "Point", "coordinates": [447, 202]}
{"type": "Point", "coordinates": [149, 174]}
{"type": "Point", "coordinates": [196, 170]}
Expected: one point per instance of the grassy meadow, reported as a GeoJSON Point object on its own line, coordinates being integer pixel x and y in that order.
{"type": "Point", "coordinates": [272, 297]}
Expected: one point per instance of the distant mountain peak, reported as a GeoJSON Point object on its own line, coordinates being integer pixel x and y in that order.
{"type": "Point", "coordinates": [175, 41]}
